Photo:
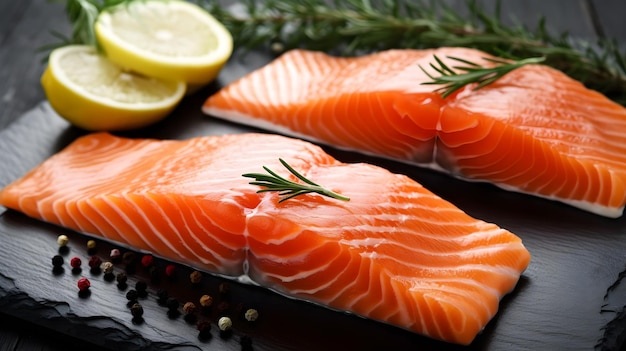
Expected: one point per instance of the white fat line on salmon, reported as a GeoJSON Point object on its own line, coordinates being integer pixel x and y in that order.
{"type": "Point", "coordinates": [221, 260]}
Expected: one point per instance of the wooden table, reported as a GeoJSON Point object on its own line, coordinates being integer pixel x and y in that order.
{"type": "Point", "coordinates": [26, 25]}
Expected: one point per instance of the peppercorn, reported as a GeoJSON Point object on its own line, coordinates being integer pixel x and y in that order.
{"type": "Point", "coordinates": [224, 323]}
{"type": "Point", "coordinates": [62, 240]}
{"type": "Point", "coordinates": [189, 308]}
{"type": "Point", "coordinates": [75, 262]}
{"type": "Point", "coordinates": [121, 280]}
{"type": "Point", "coordinates": [121, 277]}
{"type": "Point", "coordinates": [132, 295]}
{"type": "Point", "coordinates": [57, 261]}
{"type": "Point", "coordinates": [251, 315]}
{"type": "Point", "coordinates": [107, 267]}
{"type": "Point", "coordinates": [170, 270]}
{"type": "Point", "coordinates": [195, 277]}
{"type": "Point", "coordinates": [115, 255]}
{"type": "Point", "coordinates": [147, 261]}
{"type": "Point", "coordinates": [91, 244]}
{"type": "Point", "coordinates": [172, 304]}
{"type": "Point", "coordinates": [155, 278]}
{"type": "Point", "coordinates": [94, 263]}
{"type": "Point", "coordinates": [224, 289]}
{"type": "Point", "coordinates": [222, 307]}
{"type": "Point", "coordinates": [204, 329]}
{"type": "Point", "coordinates": [141, 288]}
{"type": "Point", "coordinates": [83, 284]}
{"type": "Point", "coordinates": [162, 297]}
{"type": "Point", "coordinates": [128, 257]}
{"type": "Point", "coordinates": [206, 301]}
{"type": "Point", "coordinates": [136, 310]}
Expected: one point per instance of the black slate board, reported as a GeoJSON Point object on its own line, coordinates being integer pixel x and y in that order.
{"type": "Point", "coordinates": [570, 297]}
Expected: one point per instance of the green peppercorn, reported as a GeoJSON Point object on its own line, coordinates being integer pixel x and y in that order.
{"type": "Point", "coordinates": [251, 315]}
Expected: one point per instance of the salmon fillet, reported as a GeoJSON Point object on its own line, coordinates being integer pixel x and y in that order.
{"type": "Point", "coordinates": [534, 131]}
{"type": "Point", "coordinates": [395, 252]}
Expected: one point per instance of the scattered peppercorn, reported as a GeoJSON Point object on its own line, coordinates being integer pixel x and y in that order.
{"type": "Point", "coordinates": [94, 263]}
{"type": "Point", "coordinates": [170, 270]}
{"type": "Point", "coordinates": [128, 258]}
{"type": "Point", "coordinates": [204, 329]}
{"type": "Point", "coordinates": [224, 323]}
{"type": "Point", "coordinates": [222, 307]}
{"type": "Point", "coordinates": [107, 267]}
{"type": "Point", "coordinates": [132, 295]}
{"type": "Point", "coordinates": [195, 277]}
{"type": "Point", "coordinates": [121, 280]}
{"type": "Point", "coordinates": [115, 255]}
{"type": "Point", "coordinates": [172, 304]}
{"type": "Point", "coordinates": [136, 310]}
{"type": "Point", "coordinates": [83, 284]}
{"type": "Point", "coordinates": [206, 301]}
{"type": "Point", "coordinates": [251, 315]}
{"type": "Point", "coordinates": [147, 261]}
{"type": "Point", "coordinates": [162, 297]}
{"type": "Point", "coordinates": [141, 288]}
{"type": "Point", "coordinates": [75, 262]}
{"type": "Point", "coordinates": [155, 278]}
{"type": "Point", "coordinates": [62, 240]}
{"type": "Point", "coordinates": [189, 308]}
{"type": "Point", "coordinates": [57, 261]}
{"type": "Point", "coordinates": [224, 289]}
{"type": "Point", "coordinates": [91, 244]}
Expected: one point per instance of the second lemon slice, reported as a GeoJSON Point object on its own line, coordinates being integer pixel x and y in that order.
{"type": "Point", "coordinates": [173, 40]}
{"type": "Point", "coordinates": [93, 93]}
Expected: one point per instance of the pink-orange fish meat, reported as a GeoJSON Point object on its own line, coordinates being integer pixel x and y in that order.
{"type": "Point", "coordinates": [534, 131]}
{"type": "Point", "coordinates": [395, 252]}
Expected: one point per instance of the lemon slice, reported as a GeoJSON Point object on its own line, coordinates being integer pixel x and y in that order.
{"type": "Point", "coordinates": [93, 93]}
{"type": "Point", "coordinates": [173, 40]}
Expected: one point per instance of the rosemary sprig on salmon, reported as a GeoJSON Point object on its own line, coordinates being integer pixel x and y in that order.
{"type": "Point", "coordinates": [473, 72]}
{"type": "Point", "coordinates": [288, 189]}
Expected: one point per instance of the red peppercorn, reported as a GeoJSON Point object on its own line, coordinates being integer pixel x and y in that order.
{"type": "Point", "coordinates": [147, 261]}
{"type": "Point", "coordinates": [170, 269]}
{"type": "Point", "coordinates": [75, 262]}
{"type": "Point", "coordinates": [95, 262]}
{"type": "Point", "coordinates": [83, 284]}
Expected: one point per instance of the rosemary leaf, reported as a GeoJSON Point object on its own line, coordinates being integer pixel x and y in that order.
{"type": "Point", "coordinates": [286, 188]}
{"type": "Point", "coordinates": [357, 26]}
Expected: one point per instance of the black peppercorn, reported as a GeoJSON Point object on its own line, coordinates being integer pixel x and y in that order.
{"type": "Point", "coordinates": [204, 329]}
{"type": "Point", "coordinates": [162, 297]}
{"type": "Point", "coordinates": [132, 295]}
{"type": "Point", "coordinates": [172, 304]}
{"type": "Point", "coordinates": [57, 261]}
{"type": "Point", "coordinates": [121, 280]}
{"type": "Point", "coordinates": [141, 288]}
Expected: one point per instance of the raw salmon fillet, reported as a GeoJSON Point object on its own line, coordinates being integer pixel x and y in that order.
{"type": "Point", "coordinates": [395, 252]}
{"type": "Point", "coordinates": [534, 131]}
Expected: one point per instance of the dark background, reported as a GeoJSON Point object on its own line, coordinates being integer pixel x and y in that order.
{"type": "Point", "coordinates": [26, 25]}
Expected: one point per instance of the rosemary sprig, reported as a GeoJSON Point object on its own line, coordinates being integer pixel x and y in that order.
{"type": "Point", "coordinates": [356, 26]}
{"type": "Point", "coordinates": [474, 73]}
{"type": "Point", "coordinates": [288, 189]}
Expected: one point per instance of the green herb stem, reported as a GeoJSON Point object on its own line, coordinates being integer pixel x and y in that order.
{"type": "Point", "coordinates": [288, 189]}
{"type": "Point", "coordinates": [474, 73]}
